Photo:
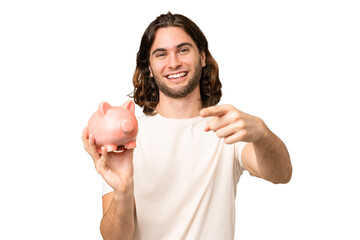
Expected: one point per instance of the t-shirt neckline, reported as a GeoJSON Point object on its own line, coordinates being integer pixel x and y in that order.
{"type": "Point", "coordinates": [178, 120]}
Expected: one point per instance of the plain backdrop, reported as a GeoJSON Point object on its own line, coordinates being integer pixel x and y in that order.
{"type": "Point", "coordinates": [295, 64]}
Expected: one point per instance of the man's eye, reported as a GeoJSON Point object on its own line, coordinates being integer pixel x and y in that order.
{"type": "Point", "coordinates": [160, 55]}
{"type": "Point", "coordinates": [183, 50]}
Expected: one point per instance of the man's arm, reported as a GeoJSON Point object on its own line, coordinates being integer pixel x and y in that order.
{"type": "Point", "coordinates": [268, 158]}
{"type": "Point", "coordinates": [117, 170]}
{"type": "Point", "coordinates": [264, 155]}
{"type": "Point", "coordinates": [119, 212]}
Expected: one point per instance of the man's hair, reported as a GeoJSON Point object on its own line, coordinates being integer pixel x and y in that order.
{"type": "Point", "coordinates": [146, 92]}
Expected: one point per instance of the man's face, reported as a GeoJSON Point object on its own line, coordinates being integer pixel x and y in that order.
{"type": "Point", "coordinates": [175, 62]}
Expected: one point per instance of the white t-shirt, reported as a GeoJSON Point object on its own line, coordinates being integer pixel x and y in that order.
{"type": "Point", "coordinates": [184, 181]}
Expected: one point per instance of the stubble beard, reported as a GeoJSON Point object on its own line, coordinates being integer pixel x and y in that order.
{"type": "Point", "coordinates": [183, 91]}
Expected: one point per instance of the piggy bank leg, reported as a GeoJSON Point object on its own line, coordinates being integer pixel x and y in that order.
{"type": "Point", "coordinates": [131, 145]}
{"type": "Point", "coordinates": [111, 148]}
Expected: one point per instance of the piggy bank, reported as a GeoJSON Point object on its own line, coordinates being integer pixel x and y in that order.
{"type": "Point", "coordinates": [114, 127]}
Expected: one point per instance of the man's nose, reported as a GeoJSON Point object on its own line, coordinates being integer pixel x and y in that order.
{"type": "Point", "coordinates": [174, 61]}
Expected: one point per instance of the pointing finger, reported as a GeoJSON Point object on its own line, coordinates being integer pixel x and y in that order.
{"type": "Point", "coordinates": [213, 111]}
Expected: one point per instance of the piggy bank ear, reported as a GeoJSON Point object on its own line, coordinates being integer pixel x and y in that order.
{"type": "Point", "coordinates": [103, 108]}
{"type": "Point", "coordinates": [129, 105]}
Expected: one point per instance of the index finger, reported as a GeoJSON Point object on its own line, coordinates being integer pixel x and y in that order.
{"type": "Point", "coordinates": [216, 111]}
{"type": "Point", "coordinates": [85, 134]}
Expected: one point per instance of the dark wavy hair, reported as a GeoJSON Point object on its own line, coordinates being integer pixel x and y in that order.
{"type": "Point", "coordinates": [146, 92]}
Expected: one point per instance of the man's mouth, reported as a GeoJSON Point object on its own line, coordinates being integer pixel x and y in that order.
{"type": "Point", "coordinates": [176, 75]}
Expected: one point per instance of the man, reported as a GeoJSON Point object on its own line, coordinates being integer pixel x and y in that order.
{"type": "Point", "coordinates": [180, 181]}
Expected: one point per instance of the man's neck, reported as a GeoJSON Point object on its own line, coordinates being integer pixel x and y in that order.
{"type": "Point", "coordinates": [180, 108]}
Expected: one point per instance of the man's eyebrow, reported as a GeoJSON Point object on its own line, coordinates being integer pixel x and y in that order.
{"type": "Point", "coordinates": [184, 44]}
{"type": "Point", "coordinates": [178, 46]}
{"type": "Point", "coordinates": [158, 50]}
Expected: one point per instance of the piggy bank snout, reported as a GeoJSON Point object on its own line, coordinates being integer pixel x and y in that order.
{"type": "Point", "coordinates": [127, 126]}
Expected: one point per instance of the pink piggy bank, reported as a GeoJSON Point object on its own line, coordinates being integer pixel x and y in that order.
{"type": "Point", "coordinates": [114, 127]}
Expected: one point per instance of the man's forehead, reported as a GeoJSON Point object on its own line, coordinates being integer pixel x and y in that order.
{"type": "Point", "coordinates": [171, 38]}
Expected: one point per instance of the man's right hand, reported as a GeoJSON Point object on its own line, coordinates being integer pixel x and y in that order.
{"type": "Point", "coordinates": [116, 168]}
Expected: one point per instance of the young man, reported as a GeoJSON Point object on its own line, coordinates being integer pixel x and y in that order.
{"type": "Point", "coordinates": [180, 181]}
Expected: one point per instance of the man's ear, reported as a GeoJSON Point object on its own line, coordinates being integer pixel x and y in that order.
{"type": "Point", "coordinates": [203, 58]}
{"type": "Point", "coordinates": [151, 74]}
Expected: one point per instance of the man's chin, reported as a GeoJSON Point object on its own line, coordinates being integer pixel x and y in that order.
{"type": "Point", "coordinates": [175, 94]}
{"type": "Point", "coordinates": [177, 91]}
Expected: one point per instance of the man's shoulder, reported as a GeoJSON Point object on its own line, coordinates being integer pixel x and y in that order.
{"type": "Point", "coordinates": [141, 117]}
{"type": "Point", "coordinates": [144, 117]}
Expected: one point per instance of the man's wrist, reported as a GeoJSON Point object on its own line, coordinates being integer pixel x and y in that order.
{"type": "Point", "coordinates": [263, 131]}
{"type": "Point", "coordinates": [126, 191]}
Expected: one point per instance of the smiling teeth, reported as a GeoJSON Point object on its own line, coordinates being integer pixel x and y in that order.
{"type": "Point", "coordinates": [176, 75]}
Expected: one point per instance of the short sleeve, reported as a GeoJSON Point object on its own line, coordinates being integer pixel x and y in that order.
{"type": "Point", "coordinates": [106, 188]}
{"type": "Point", "coordinates": [239, 147]}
